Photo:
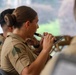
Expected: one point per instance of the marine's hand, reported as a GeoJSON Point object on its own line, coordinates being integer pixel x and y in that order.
{"type": "Point", "coordinates": [32, 41]}
{"type": "Point", "coordinates": [48, 42]}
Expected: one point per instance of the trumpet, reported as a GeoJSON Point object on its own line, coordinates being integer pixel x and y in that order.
{"type": "Point", "coordinates": [58, 39]}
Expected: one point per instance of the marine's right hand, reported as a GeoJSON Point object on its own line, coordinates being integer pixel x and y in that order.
{"type": "Point", "coordinates": [48, 41]}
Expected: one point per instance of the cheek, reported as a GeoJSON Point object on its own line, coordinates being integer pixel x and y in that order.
{"type": "Point", "coordinates": [36, 26]}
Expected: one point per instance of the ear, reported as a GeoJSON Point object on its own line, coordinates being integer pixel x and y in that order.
{"type": "Point", "coordinates": [27, 24]}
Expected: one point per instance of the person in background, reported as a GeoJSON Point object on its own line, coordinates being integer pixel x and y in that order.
{"type": "Point", "coordinates": [16, 56]}
{"type": "Point", "coordinates": [4, 27]}
{"type": "Point", "coordinates": [70, 50]}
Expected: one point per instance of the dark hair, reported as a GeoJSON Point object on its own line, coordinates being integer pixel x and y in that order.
{"type": "Point", "coordinates": [3, 13]}
{"type": "Point", "coordinates": [20, 15]}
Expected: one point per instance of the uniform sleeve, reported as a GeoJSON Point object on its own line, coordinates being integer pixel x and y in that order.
{"type": "Point", "coordinates": [1, 43]}
{"type": "Point", "coordinates": [19, 58]}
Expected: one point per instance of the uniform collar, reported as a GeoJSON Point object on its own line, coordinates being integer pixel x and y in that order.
{"type": "Point", "coordinates": [9, 33]}
{"type": "Point", "coordinates": [16, 36]}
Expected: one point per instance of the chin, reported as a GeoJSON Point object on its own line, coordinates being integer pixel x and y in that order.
{"type": "Point", "coordinates": [30, 36]}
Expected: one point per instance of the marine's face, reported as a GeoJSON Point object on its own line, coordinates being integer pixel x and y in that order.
{"type": "Point", "coordinates": [33, 27]}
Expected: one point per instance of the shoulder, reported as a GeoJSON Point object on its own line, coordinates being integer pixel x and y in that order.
{"type": "Point", "coordinates": [1, 41]}
{"type": "Point", "coordinates": [1, 35]}
{"type": "Point", "coordinates": [1, 38]}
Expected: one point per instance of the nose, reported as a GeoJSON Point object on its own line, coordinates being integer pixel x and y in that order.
{"type": "Point", "coordinates": [37, 26]}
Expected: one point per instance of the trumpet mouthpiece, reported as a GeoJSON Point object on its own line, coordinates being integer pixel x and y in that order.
{"type": "Point", "coordinates": [37, 34]}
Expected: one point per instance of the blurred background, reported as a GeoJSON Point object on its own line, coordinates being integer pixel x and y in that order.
{"type": "Point", "coordinates": [55, 16]}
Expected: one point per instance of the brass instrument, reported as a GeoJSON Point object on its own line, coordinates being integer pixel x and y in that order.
{"type": "Point", "coordinates": [64, 42]}
{"type": "Point", "coordinates": [66, 39]}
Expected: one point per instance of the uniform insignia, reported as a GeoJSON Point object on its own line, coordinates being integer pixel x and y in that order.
{"type": "Point", "coordinates": [15, 51]}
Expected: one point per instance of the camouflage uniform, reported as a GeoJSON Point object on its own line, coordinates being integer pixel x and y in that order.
{"type": "Point", "coordinates": [70, 50]}
{"type": "Point", "coordinates": [1, 43]}
{"type": "Point", "coordinates": [15, 55]}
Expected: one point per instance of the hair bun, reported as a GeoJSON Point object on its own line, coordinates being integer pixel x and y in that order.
{"type": "Point", "coordinates": [10, 19]}
{"type": "Point", "coordinates": [7, 19]}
